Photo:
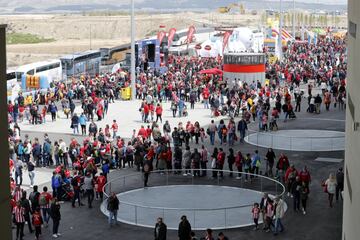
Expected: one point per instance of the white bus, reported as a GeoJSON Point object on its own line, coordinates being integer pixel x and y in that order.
{"type": "Point", "coordinates": [11, 79]}
{"type": "Point", "coordinates": [50, 69]}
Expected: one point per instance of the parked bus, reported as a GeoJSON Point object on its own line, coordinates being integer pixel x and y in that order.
{"type": "Point", "coordinates": [47, 71]}
{"type": "Point", "coordinates": [81, 63]}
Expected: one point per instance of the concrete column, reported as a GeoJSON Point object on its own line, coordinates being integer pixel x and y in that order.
{"type": "Point", "coordinates": [5, 215]}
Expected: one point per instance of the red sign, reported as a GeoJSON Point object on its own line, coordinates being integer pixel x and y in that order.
{"type": "Point", "coordinates": [160, 36]}
{"type": "Point", "coordinates": [190, 34]}
{"type": "Point", "coordinates": [207, 47]}
{"type": "Point", "coordinates": [226, 39]}
{"type": "Point", "coordinates": [171, 35]}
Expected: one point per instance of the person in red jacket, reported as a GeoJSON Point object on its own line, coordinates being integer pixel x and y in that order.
{"type": "Point", "coordinates": [305, 176]}
{"type": "Point", "coordinates": [146, 110]}
{"type": "Point", "coordinates": [37, 221]}
{"type": "Point", "coordinates": [142, 132]}
{"type": "Point", "coordinates": [100, 181]}
{"type": "Point", "coordinates": [290, 177]}
{"type": "Point", "coordinates": [158, 111]}
{"type": "Point", "coordinates": [148, 132]}
{"type": "Point", "coordinates": [220, 161]}
{"type": "Point", "coordinates": [282, 165]}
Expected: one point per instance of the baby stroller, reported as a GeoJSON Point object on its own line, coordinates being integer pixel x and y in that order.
{"type": "Point", "coordinates": [67, 193]}
{"type": "Point", "coordinates": [292, 115]}
{"type": "Point", "coordinates": [273, 125]}
{"type": "Point", "coordinates": [185, 112]}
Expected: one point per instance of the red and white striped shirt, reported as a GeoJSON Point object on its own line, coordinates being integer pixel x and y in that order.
{"type": "Point", "coordinates": [17, 195]}
{"type": "Point", "coordinates": [19, 212]}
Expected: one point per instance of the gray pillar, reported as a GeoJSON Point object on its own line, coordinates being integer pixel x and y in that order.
{"type": "Point", "coordinates": [5, 215]}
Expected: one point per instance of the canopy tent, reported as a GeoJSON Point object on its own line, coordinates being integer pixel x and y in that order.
{"type": "Point", "coordinates": [213, 71]}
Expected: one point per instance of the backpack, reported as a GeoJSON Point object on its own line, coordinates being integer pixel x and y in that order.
{"type": "Point", "coordinates": [37, 221]}
{"type": "Point", "coordinates": [57, 182]}
{"type": "Point", "coordinates": [42, 200]}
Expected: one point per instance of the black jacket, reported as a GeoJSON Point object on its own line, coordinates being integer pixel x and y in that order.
{"type": "Point", "coordinates": [184, 230]}
{"type": "Point", "coordinates": [113, 204]}
{"type": "Point", "coordinates": [160, 234]}
{"type": "Point", "coordinates": [55, 211]}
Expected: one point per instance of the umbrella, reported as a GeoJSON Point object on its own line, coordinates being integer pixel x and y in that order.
{"type": "Point", "coordinates": [213, 71]}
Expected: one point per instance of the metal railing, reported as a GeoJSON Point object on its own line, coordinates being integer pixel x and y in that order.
{"type": "Point", "coordinates": [295, 143]}
{"type": "Point", "coordinates": [226, 216]}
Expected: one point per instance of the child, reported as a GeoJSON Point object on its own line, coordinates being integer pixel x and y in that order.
{"type": "Point", "coordinates": [37, 222]}
{"type": "Point", "coordinates": [255, 212]}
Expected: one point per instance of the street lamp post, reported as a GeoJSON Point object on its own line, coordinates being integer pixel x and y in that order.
{"type": "Point", "coordinates": [293, 19]}
{"type": "Point", "coordinates": [133, 88]}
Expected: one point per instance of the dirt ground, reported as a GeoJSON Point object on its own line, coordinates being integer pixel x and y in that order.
{"type": "Point", "coordinates": [72, 31]}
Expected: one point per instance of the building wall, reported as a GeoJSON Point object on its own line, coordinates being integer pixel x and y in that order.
{"type": "Point", "coordinates": [351, 213]}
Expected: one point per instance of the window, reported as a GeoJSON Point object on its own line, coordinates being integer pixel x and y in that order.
{"type": "Point", "coordinates": [10, 76]}
{"type": "Point", "coordinates": [42, 68]}
{"type": "Point", "coordinates": [348, 183]}
{"type": "Point", "coordinates": [352, 29]}
{"type": "Point", "coordinates": [31, 72]}
{"type": "Point", "coordinates": [19, 75]}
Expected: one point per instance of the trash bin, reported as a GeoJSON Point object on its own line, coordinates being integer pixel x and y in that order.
{"type": "Point", "coordinates": [126, 93]}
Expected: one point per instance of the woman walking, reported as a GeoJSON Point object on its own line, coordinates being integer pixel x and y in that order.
{"type": "Point", "coordinates": [56, 216]}
{"type": "Point", "coordinates": [330, 188]}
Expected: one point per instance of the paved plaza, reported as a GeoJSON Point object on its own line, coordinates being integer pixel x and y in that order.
{"type": "Point", "coordinates": [320, 222]}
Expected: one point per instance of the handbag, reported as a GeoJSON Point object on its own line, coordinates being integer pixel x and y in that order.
{"type": "Point", "coordinates": [324, 187]}
{"type": "Point", "coordinates": [213, 163]}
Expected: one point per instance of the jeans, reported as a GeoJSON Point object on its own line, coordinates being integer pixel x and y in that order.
{"type": "Point", "coordinates": [46, 214]}
{"type": "Point", "coordinates": [242, 136]}
{"type": "Point", "coordinates": [278, 224]}
{"type": "Point", "coordinates": [231, 138]}
{"type": "Point", "coordinates": [90, 196]}
{"type": "Point", "coordinates": [56, 224]}
{"type": "Point", "coordinates": [212, 138]}
{"type": "Point", "coordinates": [76, 128]}
{"type": "Point", "coordinates": [18, 175]}
{"type": "Point", "coordinates": [76, 196]}
{"type": "Point", "coordinates": [112, 217]}
{"type": "Point", "coordinates": [20, 230]}
{"type": "Point", "coordinates": [206, 103]}
{"type": "Point", "coordinates": [31, 176]}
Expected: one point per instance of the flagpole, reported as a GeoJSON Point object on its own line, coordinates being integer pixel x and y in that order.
{"type": "Point", "coordinates": [280, 33]}
{"type": "Point", "coordinates": [133, 74]}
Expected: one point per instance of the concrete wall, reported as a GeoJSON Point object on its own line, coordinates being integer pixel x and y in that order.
{"type": "Point", "coordinates": [351, 214]}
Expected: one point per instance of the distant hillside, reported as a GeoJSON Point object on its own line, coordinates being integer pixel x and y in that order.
{"type": "Point", "coordinates": [198, 5]}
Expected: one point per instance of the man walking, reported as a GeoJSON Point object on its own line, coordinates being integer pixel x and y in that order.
{"type": "Point", "coordinates": [112, 207]}
{"type": "Point", "coordinates": [160, 230]}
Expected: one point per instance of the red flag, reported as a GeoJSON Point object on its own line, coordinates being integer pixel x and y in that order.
{"type": "Point", "coordinates": [160, 36]}
{"type": "Point", "coordinates": [171, 35]}
{"type": "Point", "coordinates": [226, 39]}
{"type": "Point", "coordinates": [190, 34]}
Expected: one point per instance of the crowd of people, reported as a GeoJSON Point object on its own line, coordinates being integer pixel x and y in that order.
{"type": "Point", "coordinates": [81, 167]}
